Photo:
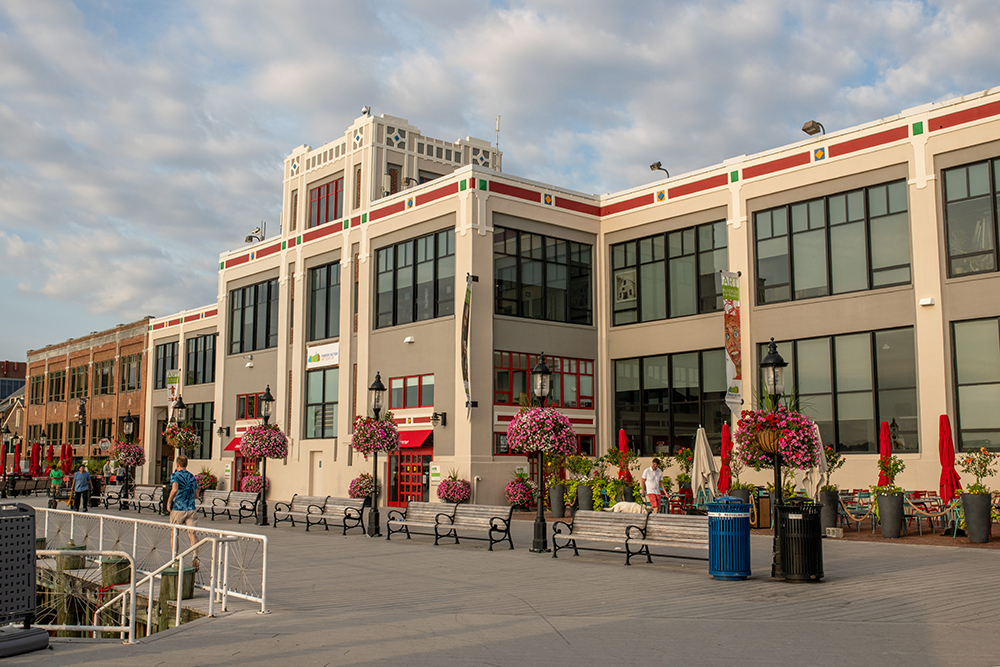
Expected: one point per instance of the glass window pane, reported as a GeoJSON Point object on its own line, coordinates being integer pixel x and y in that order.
{"type": "Point", "coordinates": [763, 222]}
{"type": "Point", "coordinates": [838, 209]}
{"type": "Point", "coordinates": [849, 263]}
{"type": "Point", "coordinates": [809, 250]}
{"type": "Point", "coordinates": [713, 366]}
{"type": "Point", "coordinates": [332, 389]}
{"type": "Point", "coordinates": [854, 364]}
{"type": "Point", "coordinates": [897, 197]}
{"type": "Point", "coordinates": [314, 387]}
{"type": "Point", "coordinates": [978, 406]}
{"type": "Point", "coordinates": [556, 301]}
{"type": "Point", "coordinates": [971, 231]}
{"type": "Point", "coordinates": [977, 351]}
{"type": "Point", "coordinates": [779, 221]}
{"type": "Point", "coordinates": [896, 358]}
{"type": "Point", "coordinates": [856, 205]}
{"type": "Point", "coordinates": [683, 276]}
{"type": "Point", "coordinates": [628, 412]}
{"type": "Point", "coordinates": [900, 405]}
{"type": "Point", "coordinates": [890, 241]}
{"type": "Point", "coordinates": [773, 269]}
{"type": "Point", "coordinates": [884, 277]}
{"type": "Point", "coordinates": [314, 421]}
{"type": "Point", "coordinates": [979, 179]}
{"type": "Point", "coordinates": [813, 366]}
{"type": "Point", "coordinates": [395, 393]}
{"type": "Point", "coordinates": [412, 390]}
{"type": "Point", "coordinates": [800, 217]}
{"type": "Point", "coordinates": [856, 421]}
{"type": "Point", "coordinates": [955, 184]}
{"type": "Point", "coordinates": [654, 291]}
{"type": "Point", "coordinates": [878, 204]}
{"type": "Point", "coordinates": [427, 390]}
{"type": "Point", "coordinates": [656, 405]}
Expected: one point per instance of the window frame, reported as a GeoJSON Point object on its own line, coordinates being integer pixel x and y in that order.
{"type": "Point", "coordinates": [36, 389]}
{"type": "Point", "coordinates": [441, 307]}
{"type": "Point", "coordinates": [320, 197]}
{"type": "Point", "coordinates": [504, 361]}
{"type": "Point", "coordinates": [250, 408]}
{"type": "Point", "coordinates": [331, 327]}
{"type": "Point", "coordinates": [78, 375]}
{"type": "Point", "coordinates": [421, 403]}
{"type": "Point", "coordinates": [164, 359]}
{"type": "Point", "coordinates": [200, 363]}
{"type": "Point", "coordinates": [56, 386]}
{"type": "Point", "coordinates": [104, 377]}
{"type": "Point", "coordinates": [956, 386]}
{"type": "Point", "coordinates": [323, 406]}
{"type": "Point", "coordinates": [127, 381]}
{"type": "Point", "coordinates": [993, 174]}
{"type": "Point", "coordinates": [252, 318]}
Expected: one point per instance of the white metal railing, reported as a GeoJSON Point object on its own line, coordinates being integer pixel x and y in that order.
{"type": "Point", "coordinates": [237, 561]}
{"type": "Point", "coordinates": [127, 623]}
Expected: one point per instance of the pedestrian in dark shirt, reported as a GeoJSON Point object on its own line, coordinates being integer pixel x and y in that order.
{"type": "Point", "coordinates": [81, 489]}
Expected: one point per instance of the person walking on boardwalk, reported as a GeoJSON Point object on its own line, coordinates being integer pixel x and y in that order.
{"type": "Point", "coordinates": [56, 477]}
{"type": "Point", "coordinates": [653, 477]}
{"type": "Point", "coordinates": [183, 487]}
{"type": "Point", "coordinates": [81, 489]}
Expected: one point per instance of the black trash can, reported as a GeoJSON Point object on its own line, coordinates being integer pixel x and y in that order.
{"type": "Point", "coordinates": [729, 539]}
{"type": "Point", "coordinates": [801, 543]}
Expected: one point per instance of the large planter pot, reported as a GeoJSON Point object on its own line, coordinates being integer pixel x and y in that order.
{"type": "Point", "coordinates": [557, 500]}
{"type": "Point", "coordinates": [890, 514]}
{"type": "Point", "coordinates": [742, 494]}
{"type": "Point", "coordinates": [683, 485]}
{"type": "Point", "coordinates": [828, 514]}
{"type": "Point", "coordinates": [976, 507]}
{"type": "Point", "coordinates": [585, 497]}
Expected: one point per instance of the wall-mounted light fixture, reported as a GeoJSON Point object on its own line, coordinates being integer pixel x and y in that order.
{"type": "Point", "coordinates": [658, 166]}
{"type": "Point", "coordinates": [222, 430]}
{"type": "Point", "coordinates": [258, 234]}
{"type": "Point", "coordinates": [439, 419]}
{"type": "Point", "coordinates": [249, 358]}
{"type": "Point", "coordinates": [812, 127]}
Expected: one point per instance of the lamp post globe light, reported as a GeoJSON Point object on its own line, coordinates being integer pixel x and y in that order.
{"type": "Point", "coordinates": [180, 410]}
{"type": "Point", "coordinates": [128, 428]}
{"type": "Point", "coordinates": [3, 458]}
{"type": "Point", "coordinates": [541, 375]}
{"type": "Point", "coordinates": [773, 366]}
{"type": "Point", "coordinates": [266, 403]}
{"type": "Point", "coordinates": [376, 393]}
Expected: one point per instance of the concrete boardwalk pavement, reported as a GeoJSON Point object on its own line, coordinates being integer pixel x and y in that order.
{"type": "Point", "coordinates": [352, 600]}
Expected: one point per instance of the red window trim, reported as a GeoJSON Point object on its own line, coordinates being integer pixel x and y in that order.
{"type": "Point", "coordinates": [558, 376]}
{"type": "Point", "coordinates": [256, 405]}
{"type": "Point", "coordinates": [420, 392]}
{"type": "Point", "coordinates": [323, 195]}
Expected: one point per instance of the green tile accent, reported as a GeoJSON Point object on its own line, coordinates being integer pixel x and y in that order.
{"type": "Point", "coordinates": [734, 176]}
{"type": "Point", "coordinates": [298, 239]}
{"type": "Point", "coordinates": [364, 218]}
{"type": "Point", "coordinates": [918, 128]}
{"type": "Point", "coordinates": [284, 245]}
{"type": "Point", "coordinates": [462, 185]}
{"type": "Point", "coordinates": [347, 223]}
{"type": "Point", "coordinates": [482, 184]}
{"type": "Point", "coordinates": [222, 265]}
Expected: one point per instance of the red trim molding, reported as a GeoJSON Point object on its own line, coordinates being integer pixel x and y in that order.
{"type": "Point", "coordinates": [697, 186]}
{"type": "Point", "coordinates": [627, 205]}
{"type": "Point", "coordinates": [426, 197]}
{"type": "Point", "coordinates": [236, 261]}
{"type": "Point", "coordinates": [386, 211]}
{"type": "Point", "coordinates": [966, 116]}
{"type": "Point", "coordinates": [870, 141]}
{"type": "Point", "coordinates": [514, 191]}
{"type": "Point", "coordinates": [270, 250]}
{"type": "Point", "coordinates": [319, 232]}
{"type": "Point", "coordinates": [578, 206]}
{"type": "Point", "coordinates": [781, 164]}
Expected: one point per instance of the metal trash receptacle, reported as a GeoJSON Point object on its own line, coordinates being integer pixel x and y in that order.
{"type": "Point", "coordinates": [801, 541]}
{"type": "Point", "coordinates": [728, 538]}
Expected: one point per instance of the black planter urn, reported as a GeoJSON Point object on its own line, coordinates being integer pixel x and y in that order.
{"type": "Point", "coordinates": [683, 485]}
{"type": "Point", "coordinates": [976, 507]}
{"type": "Point", "coordinates": [585, 497]}
{"type": "Point", "coordinates": [742, 494]}
{"type": "Point", "coordinates": [557, 501]}
{"type": "Point", "coordinates": [828, 514]}
{"type": "Point", "coordinates": [627, 495]}
{"type": "Point", "coordinates": [890, 514]}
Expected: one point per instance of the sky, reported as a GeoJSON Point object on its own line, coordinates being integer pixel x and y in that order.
{"type": "Point", "coordinates": [138, 140]}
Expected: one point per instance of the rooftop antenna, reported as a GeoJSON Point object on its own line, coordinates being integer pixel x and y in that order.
{"type": "Point", "coordinates": [496, 163]}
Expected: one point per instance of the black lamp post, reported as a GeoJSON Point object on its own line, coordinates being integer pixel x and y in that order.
{"type": "Point", "coordinates": [540, 376]}
{"type": "Point", "coordinates": [6, 443]}
{"type": "Point", "coordinates": [893, 433]}
{"type": "Point", "coordinates": [773, 366]}
{"type": "Point", "coordinates": [128, 428]}
{"type": "Point", "coordinates": [376, 393]}
{"type": "Point", "coordinates": [266, 402]}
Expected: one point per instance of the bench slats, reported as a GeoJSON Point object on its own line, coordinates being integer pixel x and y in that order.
{"type": "Point", "coordinates": [668, 531]}
{"type": "Point", "coordinates": [495, 519]}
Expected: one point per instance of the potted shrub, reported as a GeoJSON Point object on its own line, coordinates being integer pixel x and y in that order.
{"type": "Point", "coordinates": [976, 499]}
{"type": "Point", "coordinates": [889, 497]}
{"type": "Point", "coordinates": [684, 458]}
{"type": "Point", "coordinates": [554, 466]}
{"type": "Point", "coordinates": [362, 487]}
{"type": "Point", "coordinates": [520, 491]}
{"type": "Point", "coordinates": [206, 479]}
{"type": "Point", "coordinates": [627, 463]}
{"type": "Point", "coordinates": [453, 489]}
{"type": "Point", "coordinates": [829, 494]}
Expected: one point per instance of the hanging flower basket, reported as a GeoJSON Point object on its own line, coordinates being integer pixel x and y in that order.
{"type": "Point", "coordinates": [762, 432]}
{"type": "Point", "coordinates": [181, 437]}
{"type": "Point", "coordinates": [128, 454]}
{"type": "Point", "coordinates": [206, 480]}
{"type": "Point", "coordinates": [767, 441]}
{"type": "Point", "coordinates": [264, 440]}
{"type": "Point", "coordinates": [541, 430]}
{"type": "Point", "coordinates": [375, 435]}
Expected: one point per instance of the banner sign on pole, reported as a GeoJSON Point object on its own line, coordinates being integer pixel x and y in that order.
{"type": "Point", "coordinates": [466, 316]}
{"type": "Point", "coordinates": [731, 319]}
{"type": "Point", "coordinates": [173, 391]}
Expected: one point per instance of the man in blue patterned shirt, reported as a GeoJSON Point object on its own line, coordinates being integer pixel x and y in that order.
{"type": "Point", "coordinates": [183, 487]}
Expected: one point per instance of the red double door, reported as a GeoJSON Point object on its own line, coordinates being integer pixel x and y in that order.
{"type": "Point", "coordinates": [409, 476]}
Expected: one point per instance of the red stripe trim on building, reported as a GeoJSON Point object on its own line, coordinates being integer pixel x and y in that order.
{"type": "Point", "coordinates": [869, 141]}
{"type": "Point", "coordinates": [581, 421]}
{"type": "Point", "coordinates": [627, 205]}
{"type": "Point", "coordinates": [578, 206]}
{"type": "Point", "coordinates": [291, 241]}
{"type": "Point", "coordinates": [776, 165]}
{"type": "Point", "coordinates": [270, 250]}
{"type": "Point", "coordinates": [192, 318]}
{"type": "Point", "coordinates": [211, 313]}
{"type": "Point", "coordinates": [505, 418]}
{"type": "Point", "coordinates": [697, 186]}
{"type": "Point", "coordinates": [355, 221]}
{"type": "Point", "coordinates": [158, 325]}
{"type": "Point", "coordinates": [514, 191]}
{"type": "Point", "coordinates": [966, 116]}
{"type": "Point", "coordinates": [236, 261]}
{"type": "Point", "coordinates": [173, 323]}
{"type": "Point", "coordinates": [449, 189]}
{"type": "Point", "coordinates": [321, 231]}
{"type": "Point", "coordinates": [386, 211]}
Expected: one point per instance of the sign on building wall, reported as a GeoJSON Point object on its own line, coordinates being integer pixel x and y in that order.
{"type": "Point", "coordinates": [731, 320]}
{"type": "Point", "coordinates": [173, 391]}
{"type": "Point", "coordinates": [320, 356]}
{"type": "Point", "coordinates": [466, 316]}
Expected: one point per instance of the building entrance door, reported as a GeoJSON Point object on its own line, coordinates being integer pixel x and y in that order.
{"type": "Point", "coordinates": [315, 473]}
{"type": "Point", "coordinates": [409, 476]}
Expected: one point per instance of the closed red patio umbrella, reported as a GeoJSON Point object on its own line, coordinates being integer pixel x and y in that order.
{"type": "Point", "coordinates": [950, 482]}
{"type": "Point", "coordinates": [884, 452]}
{"type": "Point", "coordinates": [67, 459]}
{"type": "Point", "coordinates": [725, 474]}
{"type": "Point", "coordinates": [623, 471]}
{"type": "Point", "coordinates": [16, 468]}
{"type": "Point", "coordinates": [35, 467]}
{"type": "Point", "coordinates": [51, 457]}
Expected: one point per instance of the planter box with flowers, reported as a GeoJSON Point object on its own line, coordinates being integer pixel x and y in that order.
{"type": "Point", "coordinates": [454, 490]}
{"type": "Point", "coordinates": [520, 491]}
{"type": "Point", "coordinates": [362, 487]}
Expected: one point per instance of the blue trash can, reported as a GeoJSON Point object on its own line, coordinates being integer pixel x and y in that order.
{"type": "Point", "coordinates": [729, 539]}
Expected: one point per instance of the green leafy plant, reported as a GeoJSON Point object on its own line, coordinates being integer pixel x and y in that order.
{"type": "Point", "coordinates": [979, 465]}
{"type": "Point", "coordinates": [684, 459]}
{"type": "Point", "coordinates": [834, 462]}
{"type": "Point", "coordinates": [579, 465]}
{"type": "Point", "coordinates": [889, 467]}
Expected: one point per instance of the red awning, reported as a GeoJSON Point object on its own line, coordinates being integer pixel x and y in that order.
{"type": "Point", "coordinates": [234, 445]}
{"type": "Point", "coordinates": [413, 438]}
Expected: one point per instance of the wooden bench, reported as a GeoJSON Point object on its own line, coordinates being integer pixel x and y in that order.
{"type": "Point", "coordinates": [494, 519]}
{"type": "Point", "coordinates": [111, 493]}
{"type": "Point", "coordinates": [299, 507]}
{"type": "Point", "coordinates": [148, 496]}
{"type": "Point", "coordinates": [210, 500]}
{"type": "Point", "coordinates": [672, 531]}
{"type": "Point", "coordinates": [23, 486]}
{"type": "Point", "coordinates": [418, 515]}
{"type": "Point", "coordinates": [591, 526]}
{"type": "Point", "coordinates": [345, 512]}
{"type": "Point", "coordinates": [243, 502]}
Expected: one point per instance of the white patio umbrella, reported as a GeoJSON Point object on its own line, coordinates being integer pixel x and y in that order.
{"type": "Point", "coordinates": [704, 476]}
{"type": "Point", "coordinates": [813, 479]}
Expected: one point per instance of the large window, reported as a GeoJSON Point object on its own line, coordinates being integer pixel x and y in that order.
{"type": "Point", "coordinates": [416, 280]}
{"type": "Point", "coordinates": [200, 366]}
{"type": "Point", "coordinates": [131, 372]}
{"type": "Point", "coordinates": [104, 377]}
{"type": "Point", "coordinates": [75, 434]}
{"type": "Point", "coordinates": [78, 381]}
{"type": "Point", "coordinates": [976, 346]}
{"type": "Point", "coordinates": [101, 428]}
{"type": "Point", "coordinates": [321, 403]}
{"type": "Point", "coordinates": [849, 384]}
{"type": "Point", "coordinates": [166, 360]}
{"type": "Point", "coordinates": [326, 202]}
{"type": "Point", "coordinates": [541, 277]}
{"type": "Point", "coordinates": [54, 432]}
{"type": "Point", "coordinates": [971, 197]}
{"type": "Point", "coordinates": [570, 386]}
{"type": "Point", "coordinates": [36, 390]}
{"type": "Point", "coordinates": [411, 392]}
{"type": "Point", "coordinates": [660, 401]}
{"type": "Point", "coordinates": [57, 386]}
{"type": "Point", "coordinates": [848, 242]}
{"type": "Point", "coordinates": [200, 418]}
{"type": "Point", "coordinates": [669, 275]}
{"type": "Point", "coordinates": [324, 302]}
{"type": "Point", "coordinates": [253, 317]}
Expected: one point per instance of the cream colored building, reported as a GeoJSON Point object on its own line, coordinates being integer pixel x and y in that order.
{"type": "Point", "coordinates": [869, 254]}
